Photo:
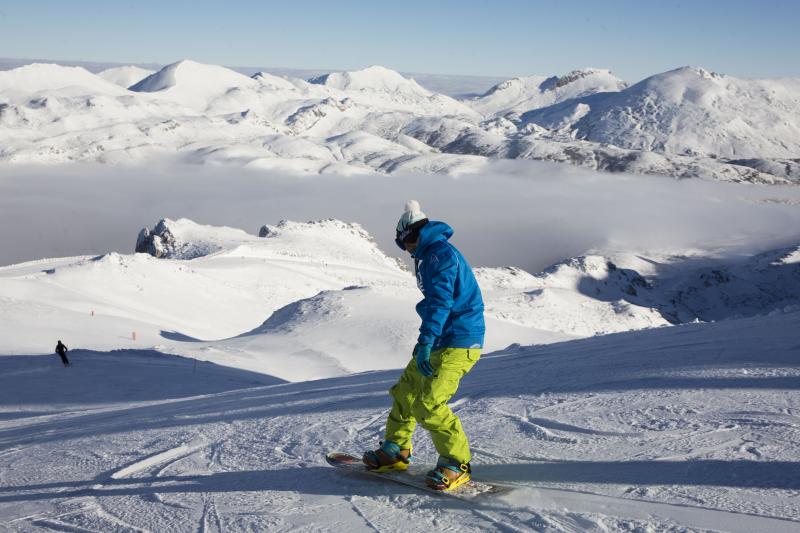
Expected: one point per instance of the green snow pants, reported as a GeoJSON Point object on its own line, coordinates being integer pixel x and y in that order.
{"type": "Point", "coordinates": [424, 399]}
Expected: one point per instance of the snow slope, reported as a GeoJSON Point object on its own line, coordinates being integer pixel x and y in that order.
{"type": "Point", "coordinates": [223, 295]}
{"type": "Point", "coordinates": [689, 428]}
{"type": "Point", "coordinates": [319, 291]}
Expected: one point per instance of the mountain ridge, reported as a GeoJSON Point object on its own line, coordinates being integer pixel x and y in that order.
{"type": "Point", "coordinates": [688, 122]}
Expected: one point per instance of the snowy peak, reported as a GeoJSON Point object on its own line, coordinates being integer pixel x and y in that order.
{"type": "Point", "coordinates": [273, 82]}
{"type": "Point", "coordinates": [687, 111]}
{"type": "Point", "coordinates": [125, 76]}
{"type": "Point", "coordinates": [385, 89]}
{"type": "Point", "coordinates": [374, 78]}
{"type": "Point", "coordinates": [691, 85]}
{"type": "Point", "coordinates": [691, 71]}
{"type": "Point", "coordinates": [533, 92]}
{"type": "Point", "coordinates": [593, 79]}
{"type": "Point", "coordinates": [590, 79]}
{"type": "Point", "coordinates": [38, 77]}
{"type": "Point", "coordinates": [518, 85]}
{"type": "Point", "coordinates": [192, 83]}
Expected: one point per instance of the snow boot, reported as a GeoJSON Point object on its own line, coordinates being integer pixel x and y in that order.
{"type": "Point", "coordinates": [448, 474]}
{"type": "Point", "coordinates": [387, 458]}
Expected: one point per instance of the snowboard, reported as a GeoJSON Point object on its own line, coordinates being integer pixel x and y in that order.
{"type": "Point", "coordinates": [414, 477]}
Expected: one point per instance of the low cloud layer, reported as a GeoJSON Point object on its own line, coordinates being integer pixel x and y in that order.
{"type": "Point", "coordinates": [521, 213]}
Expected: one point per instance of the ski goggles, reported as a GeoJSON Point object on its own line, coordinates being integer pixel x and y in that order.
{"type": "Point", "coordinates": [409, 234]}
{"type": "Point", "coordinates": [400, 239]}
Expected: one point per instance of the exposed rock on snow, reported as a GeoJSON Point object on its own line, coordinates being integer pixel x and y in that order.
{"type": "Point", "coordinates": [185, 239]}
{"type": "Point", "coordinates": [783, 168]}
{"type": "Point", "coordinates": [533, 92]}
{"type": "Point", "coordinates": [306, 117]}
{"type": "Point", "coordinates": [153, 243]}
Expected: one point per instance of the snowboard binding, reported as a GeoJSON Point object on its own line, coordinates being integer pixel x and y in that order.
{"type": "Point", "coordinates": [387, 458]}
{"type": "Point", "coordinates": [440, 478]}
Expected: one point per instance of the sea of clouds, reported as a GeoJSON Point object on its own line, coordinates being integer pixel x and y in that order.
{"type": "Point", "coordinates": [522, 213]}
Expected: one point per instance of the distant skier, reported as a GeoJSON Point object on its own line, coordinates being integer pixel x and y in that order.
{"type": "Point", "coordinates": [62, 350]}
{"type": "Point", "coordinates": [449, 344]}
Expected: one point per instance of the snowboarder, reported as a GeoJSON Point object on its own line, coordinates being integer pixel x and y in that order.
{"type": "Point", "coordinates": [449, 344]}
{"type": "Point", "coordinates": [62, 350]}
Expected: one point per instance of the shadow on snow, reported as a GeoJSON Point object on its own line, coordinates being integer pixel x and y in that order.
{"type": "Point", "coordinates": [327, 481]}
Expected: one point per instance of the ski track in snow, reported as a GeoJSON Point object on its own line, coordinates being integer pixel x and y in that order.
{"type": "Point", "coordinates": [162, 457]}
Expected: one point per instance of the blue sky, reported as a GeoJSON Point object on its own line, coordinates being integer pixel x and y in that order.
{"type": "Point", "coordinates": [482, 37]}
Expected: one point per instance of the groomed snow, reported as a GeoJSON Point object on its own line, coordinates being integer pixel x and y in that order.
{"type": "Point", "coordinates": [689, 428]}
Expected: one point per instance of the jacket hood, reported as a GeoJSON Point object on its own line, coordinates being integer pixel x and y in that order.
{"type": "Point", "coordinates": [430, 233]}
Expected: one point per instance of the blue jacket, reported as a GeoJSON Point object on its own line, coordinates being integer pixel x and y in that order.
{"type": "Point", "coordinates": [452, 311]}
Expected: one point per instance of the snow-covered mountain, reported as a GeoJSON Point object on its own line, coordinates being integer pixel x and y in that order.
{"type": "Point", "coordinates": [380, 87]}
{"type": "Point", "coordinates": [688, 111]}
{"type": "Point", "coordinates": [519, 95]}
{"type": "Point", "coordinates": [28, 84]}
{"type": "Point", "coordinates": [683, 123]}
{"type": "Point", "coordinates": [375, 79]}
{"type": "Point", "coordinates": [125, 76]}
{"type": "Point", "coordinates": [196, 84]}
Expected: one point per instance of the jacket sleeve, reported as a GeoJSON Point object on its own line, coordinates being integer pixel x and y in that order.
{"type": "Point", "coordinates": [438, 281]}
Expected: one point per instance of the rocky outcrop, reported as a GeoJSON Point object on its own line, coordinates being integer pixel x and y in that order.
{"type": "Point", "coordinates": [159, 243]}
